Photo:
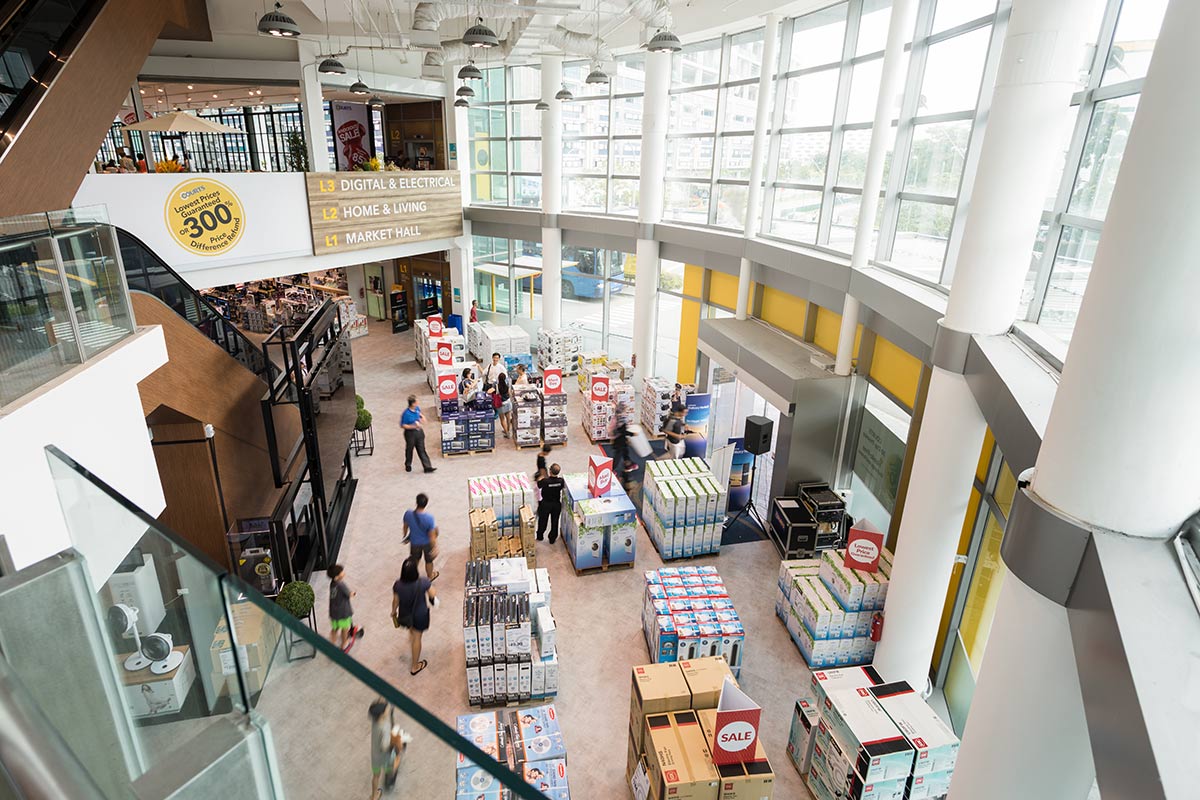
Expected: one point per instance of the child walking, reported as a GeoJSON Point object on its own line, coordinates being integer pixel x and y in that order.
{"type": "Point", "coordinates": [342, 630]}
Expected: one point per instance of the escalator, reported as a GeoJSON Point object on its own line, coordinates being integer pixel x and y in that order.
{"type": "Point", "coordinates": [65, 66]}
{"type": "Point", "coordinates": [283, 413]}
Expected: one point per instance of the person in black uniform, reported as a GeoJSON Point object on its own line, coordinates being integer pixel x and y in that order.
{"type": "Point", "coordinates": [550, 506]}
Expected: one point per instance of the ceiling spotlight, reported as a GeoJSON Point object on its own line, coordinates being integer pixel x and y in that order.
{"type": "Point", "coordinates": [189, 99]}
{"type": "Point", "coordinates": [542, 105]}
{"type": "Point", "coordinates": [465, 91]}
{"type": "Point", "coordinates": [214, 95]}
{"type": "Point", "coordinates": [664, 42]}
{"type": "Point", "coordinates": [480, 35]}
{"type": "Point", "coordinates": [564, 94]}
{"type": "Point", "coordinates": [160, 88]}
{"type": "Point", "coordinates": [160, 99]}
{"type": "Point", "coordinates": [331, 66]}
{"type": "Point", "coordinates": [461, 103]}
{"type": "Point", "coordinates": [143, 91]}
{"type": "Point", "coordinates": [258, 91]}
{"type": "Point", "coordinates": [277, 23]}
{"type": "Point", "coordinates": [358, 87]}
{"type": "Point", "coordinates": [295, 99]}
{"type": "Point", "coordinates": [597, 75]}
{"type": "Point", "coordinates": [470, 72]}
{"type": "Point", "coordinates": [190, 87]}
{"type": "Point", "coordinates": [250, 92]}
{"type": "Point", "coordinates": [376, 101]}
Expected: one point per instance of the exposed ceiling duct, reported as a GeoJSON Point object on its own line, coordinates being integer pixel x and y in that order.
{"type": "Point", "coordinates": [651, 13]}
{"type": "Point", "coordinates": [429, 16]}
{"type": "Point", "coordinates": [578, 44]}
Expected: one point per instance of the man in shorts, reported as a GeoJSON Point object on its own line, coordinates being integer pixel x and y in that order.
{"type": "Point", "coordinates": [421, 533]}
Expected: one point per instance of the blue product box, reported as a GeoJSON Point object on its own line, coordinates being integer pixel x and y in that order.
{"type": "Point", "coordinates": [676, 592]}
{"type": "Point", "coordinates": [481, 730]}
{"type": "Point", "coordinates": [653, 578]}
{"type": "Point", "coordinates": [538, 721]}
{"type": "Point", "coordinates": [540, 748]}
{"type": "Point", "coordinates": [546, 775]}
{"type": "Point", "coordinates": [667, 644]}
{"type": "Point", "coordinates": [688, 570]}
{"type": "Point", "coordinates": [620, 543]}
{"type": "Point", "coordinates": [708, 570]}
{"type": "Point", "coordinates": [476, 783]}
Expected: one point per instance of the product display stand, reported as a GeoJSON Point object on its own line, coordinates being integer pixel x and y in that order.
{"type": "Point", "coordinates": [749, 508]}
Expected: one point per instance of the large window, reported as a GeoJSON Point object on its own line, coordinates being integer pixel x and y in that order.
{"type": "Point", "coordinates": [822, 126]}
{"type": "Point", "coordinates": [508, 283]}
{"type": "Point", "coordinates": [1103, 113]}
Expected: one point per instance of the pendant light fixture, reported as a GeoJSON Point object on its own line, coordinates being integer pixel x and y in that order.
{"type": "Point", "coordinates": [461, 103]}
{"type": "Point", "coordinates": [358, 87]}
{"type": "Point", "coordinates": [277, 23]}
{"type": "Point", "coordinates": [480, 35]}
{"type": "Point", "coordinates": [597, 75]}
{"type": "Point", "coordinates": [664, 42]}
{"type": "Point", "coordinates": [564, 94]}
{"type": "Point", "coordinates": [465, 91]}
{"type": "Point", "coordinates": [470, 72]}
{"type": "Point", "coordinates": [330, 66]}
{"type": "Point", "coordinates": [542, 105]}
{"type": "Point", "coordinates": [376, 101]}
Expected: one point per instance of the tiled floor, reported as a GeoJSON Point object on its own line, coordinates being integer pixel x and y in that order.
{"type": "Point", "coordinates": [318, 714]}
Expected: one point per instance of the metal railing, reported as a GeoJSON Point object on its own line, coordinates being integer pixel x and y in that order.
{"type": "Point", "coordinates": [63, 296]}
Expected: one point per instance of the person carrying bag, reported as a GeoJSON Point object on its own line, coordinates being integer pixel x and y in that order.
{"type": "Point", "coordinates": [412, 595]}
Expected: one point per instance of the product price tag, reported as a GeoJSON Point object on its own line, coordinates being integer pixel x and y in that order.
{"type": "Point", "coordinates": [640, 782]}
{"type": "Point", "coordinates": [228, 667]}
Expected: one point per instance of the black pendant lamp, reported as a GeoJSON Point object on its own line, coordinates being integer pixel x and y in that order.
{"type": "Point", "coordinates": [277, 23]}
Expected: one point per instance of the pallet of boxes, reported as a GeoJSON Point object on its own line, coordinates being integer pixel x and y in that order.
{"type": "Point", "coordinates": [829, 608]}
{"type": "Point", "coordinates": [554, 407]}
{"type": "Point", "coordinates": [527, 416]}
{"type": "Point", "coordinates": [508, 633]}
{"type": "Point", "coordinates": [862, 739]}
{"type": "Point", "coordinates": [687, 613]}
{"type": "Point", "coordinates": [599, 524]}
{"type": "Point", "coordinates": [683, 507]}
{"type": "Point", "coordinates": [504, 495]}
{"type": "Point", "coordinates": [558, 349]}
{"type": "Point", "coordinates": [528, 742]}
{"type": "Point", "coordinates": [673, 733]}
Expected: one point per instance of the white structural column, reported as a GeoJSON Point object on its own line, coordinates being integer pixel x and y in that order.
{"type": "Point", "coordinates": [1038, 67]}
{"type": "Point", "coordinates": [655, 118]}
{"type": "Point", "coordinates": [312, 106]}
{"type": "Point", "coordinates": [462, 279]}
{"type": "Point", "coordinates": [551, 194]}
{"type": "Point", "coordinates": [758, 152]}
{"type": "Point", "coordinates": [1120, 427]}
{"type": "Point", "coordinates": [900, 29]}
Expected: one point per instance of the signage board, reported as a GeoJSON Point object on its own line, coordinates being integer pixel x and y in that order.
{"type": "Point", "coordinates": [435, 326]}
{"type": "Point", "coordinates": [863, 545]}
{"type": "Point", "coordinates": [351, 134]}
{"type": "Point", "coordinates": [600, 475]}
{"type": "Point", "coordinates": [552, 382]}
{"type": "Point", "coordinates": [445, 354]}
{"type": "Point", "coordinates": [447, 390]}
{"type": "Point", "coordinates": [735, 732]}
{"type": "Point", "coordinates": [599, 388]}
{"type": "Point", "coordinates": [361, 210]}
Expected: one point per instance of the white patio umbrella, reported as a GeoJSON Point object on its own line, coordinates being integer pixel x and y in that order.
{"type": "Point", "coordinates": [181, 122]}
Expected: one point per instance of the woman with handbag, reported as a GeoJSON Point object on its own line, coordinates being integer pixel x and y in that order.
{"type": "Point", "coordinates": [502, 401]}
{"type": "Point", "coordinates": [411, 597]}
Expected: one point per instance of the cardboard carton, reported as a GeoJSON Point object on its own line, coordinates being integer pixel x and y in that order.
{"type": "Point", "coordinates": [824, 681]}
{"type": "Point", "coordinates": [866, 735]}
{"type": "Point", "coordinates": [476, 783]}
{"type": "Point", "coordinates": [805, 717]}
{"type": "Point", "coordinates": [656, 689]}
{"type": "Point", "coordinates": [935, 744]}
{"type": "Point", "coordinates": [680, 765]}
{"type": "Point", "coordinates": [705, 677]}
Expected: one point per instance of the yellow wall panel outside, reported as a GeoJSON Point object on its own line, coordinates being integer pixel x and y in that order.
{"type": "Point", "coordinates": [983, 595]}
{"type": "Point", "coordinates": [896, 370]}
{"type": "Point", "coordinates": [964, 546]}
{"type": "Point", "coordinates": [722, 289]}
{"type": "Point", "coordinates": [693, 280]}
{"type": "Point", "coordinates": [784, 311]}
{"type": "Point", "coordinates": [989, 441]}
{"type": "Point", "coordinates": [689, 338]}
{"type": "Point", "coordinates": [829, 324]}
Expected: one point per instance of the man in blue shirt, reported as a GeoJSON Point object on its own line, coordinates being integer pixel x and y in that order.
{"type": "Point", "coordinates": [421, 532]}
{"type": "Point", "coordinates": [414, 436]}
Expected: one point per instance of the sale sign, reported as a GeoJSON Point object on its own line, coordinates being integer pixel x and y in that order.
{"type": "Point", "coordinates": [599, 388]}
{"type": "Point", "coordinates": [445, 354]}
{"type": "Point", "coordinates": [600, 475]}
{"type": "Point", "coordinates": [552, 380]}
{"type": "Point", "coordinates": [735, 732]}
{"type": "Point", "coordinates": [447, 388]}
{"type": "Point", "coordinates": [435, 326]}
{"type": "Point", "coordinates": [863, 546]}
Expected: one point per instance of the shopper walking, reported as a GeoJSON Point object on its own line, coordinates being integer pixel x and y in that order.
{"type": "Point", "coordinates": [550, 505]}
{"type": "Point", "coordinates": [504, 410]}
{"type": "Point", "coordinates": [421, 532]}
{"type": "Point", "coordinates": [342, 630]}
{"type": "Point", "coordinates": [675, 432]}
{"type": "Point", "coordinates": [414, 435]}
{"type": "Point", "coordinates": [620, 443]}
{"type": "Point", "coordinates": [543, 454]}
{"type": "Point", "coordinates": [388, 743]}
{"type": "Point", "coordinates": [411, 598]}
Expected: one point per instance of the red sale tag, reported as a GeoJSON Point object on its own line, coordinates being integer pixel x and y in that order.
{"type": "Point", "coordinates": [735, 733]}
{"type": "Point", "coordinates": [447, 388]}
{"type": "Point", "coordinates": [863, 546]}
{"type": "Point", "coordinates": [445, 354]}
{"type": "Point", "coordinates": [552, 381]}
{"type": "Point", "coordinates": [435, 327]}
{"type": "Point", "coordinates": [599, 387]}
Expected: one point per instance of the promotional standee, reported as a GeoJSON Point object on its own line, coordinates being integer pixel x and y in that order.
{"type": "Point", "coordinates": [447, 389]}
{"type": "Point", "coordinates": [736, 730]}
{"type": "Point", "coordinates": [863, 547]}
{"type": "Point", "coordinates": [599, 388]}
{"type": "Point", "coordinates": [436, 326]}
{"type": "Point", "coordinates": [599, 475]}
{"type": "Point", "coordinates": [445, 354]}
{"type": "Point", "coordinates": [552, 380]}
{"type": "Point", "coordinates": [696, 420]}
{"type": "Point", "coordinates": [739, 475]}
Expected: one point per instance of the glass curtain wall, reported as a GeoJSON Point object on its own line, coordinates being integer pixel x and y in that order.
{"type": "Point", "coordinates": [487, 132]}
{"type": "Point", "coordinates": [821, 129]}
{"type": "Point", "coordinates": [507, 282]}
{"type": "Point", "coordinates": [1100, 118]}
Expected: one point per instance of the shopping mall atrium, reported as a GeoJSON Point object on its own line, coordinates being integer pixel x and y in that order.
{"type": "Point", "coordinates": [795, 397]}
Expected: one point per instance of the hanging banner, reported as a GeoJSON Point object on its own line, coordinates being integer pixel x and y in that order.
{"type": "Point", "coordinates": [350, 134]}
{"type": "Point", "coordinates": [739, 475]}
{"type": "Point", "coordinates": [696, 422]}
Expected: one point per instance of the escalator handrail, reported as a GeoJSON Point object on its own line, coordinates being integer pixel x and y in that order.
{"type": "Point", "coordinates": [202, 302]}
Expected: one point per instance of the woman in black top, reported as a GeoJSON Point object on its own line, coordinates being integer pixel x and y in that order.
{"type": "Point", "coordinates": [412, 595]}
{"type": "Point", "coordinates": [466, 385]}
{"type": "Point", "coordinates": [504, 392]}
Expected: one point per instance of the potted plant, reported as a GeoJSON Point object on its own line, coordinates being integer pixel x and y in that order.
{"type": "Point", "coordinates": [297, 599]}
{"type": "Point", "coordinates": [297, 152]}
{"type": "Point", "coordinates": [364, 437]}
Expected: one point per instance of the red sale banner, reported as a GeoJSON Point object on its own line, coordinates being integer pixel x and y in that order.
{"type": "Point", "coordinates": [736, 730]}
{"type": "Point", "coordinates": [863, 546]}
{"type": "Point", "coordinates": [599, 475]}
{"type": "Point", "coordinates": [435, 326]}
{"type": "Point", "coordinates": [445, 354]}
{"type": "Point", "coordinates": [599, 388]}
{"type": "Point", "coordinates": [552, 380]}
{"type": "Point", "coordinates": [447, 388]}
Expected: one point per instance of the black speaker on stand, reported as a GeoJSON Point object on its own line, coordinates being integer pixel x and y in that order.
{"type": "Point", "coordinates": [756, 440]}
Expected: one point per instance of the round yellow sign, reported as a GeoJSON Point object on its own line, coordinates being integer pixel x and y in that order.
{"type": "Point", "coordinates": [204, 216]}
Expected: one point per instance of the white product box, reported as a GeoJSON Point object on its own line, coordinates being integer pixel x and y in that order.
{"type": "Point", "coordinates": [471, 642]}
{"type": "Point", "coordinates": [514, 680]}
{"type": "Point", "coordinates": [872, 590]}
{"type": "Point", "coordinates": [500, 674]}
{"type": "Point", "coordinates": [814, 612]}
{"type": "Point", "coordinates": [935, 743]}
{"type": "Point", "coordinates": [499, 631]}
{"type": "Point", "coordinates": [537, 677]}
{"type": "Point", "coordinates": [845, 584]}
{"type": "Point", "coordinates": [483, 634]}
{"type": "Point", "coordinates": [474, 685]}
{"type": "Point", "coordinates": [824, 681]}
{"type": "Point", "coordinates": [546, 637]}
{"type": "Point", "coordinates": [525, 679]}
{"type": "Point", "coordinates": [800, 738]}
{"type": "Point", "coordinates": [550, 665]}
{"type": "Point", "coordinates": [542, 576]}
{"type": "Point", "coordinates": [150, 695]}
{"type": "Point", "coordinates": [840, 770]}
{"type": "Point", "coordinates": [933, 785]}
{"type": "Point", "coordinates": [536, 600]}
{"type": "Point", "coordinates": [487, 683]}
{"type": "Point", "coordinates": [867, 735]}
{"type": "Point", "coordinates": [517, 638]}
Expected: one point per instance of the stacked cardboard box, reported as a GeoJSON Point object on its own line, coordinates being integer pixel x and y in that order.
{"type": "Point", "coordinates": [559, 348]}
{"type": "Point", "coordinates": [589, 364]}
{"type": "Point", "coordinates": [656, 404]}
{"type": "Point", "coordinates": [469, 430]}
{"type": "Point", "coordinates": [475, 334]}
{"type": "Point", "coordinates": [806, 716]}
{"type": "Point", "coordinates": [932, 740]}
{"type": "Point", "coordinates": [505, 494]}
{"type": "Point", "coordinates": [502, 339]}
{"type": "Point", "coordinates": [554, 418]}
{"type": "Point", "coordinates": [528, 742]}
{"type": "Point", "coordinates": [527, 414]}
{"type": "Point", "coordinates": [508, 632]}
{"type": "Point", "coordinates": [858, 752]}
{"type": "Point", "coordinates": [257, 637]}
{"type": "Point", "coordinates": [669, 706]}
{"type": "Point", "coordinates": [599, 416]}
{"type": "Point", "coordinates": [598, 530]}
{"type": "Point", "coordinates": [687, 613]}
{"type": "Point", "coordinates": [752, 778]}
{"type": "Point", "coordinates": [683, 507]}
{"type": "Point", "coordinates": [487, 541]}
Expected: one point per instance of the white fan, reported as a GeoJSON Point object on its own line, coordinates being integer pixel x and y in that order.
{"type": "Point", "coordinates": [155, 651]}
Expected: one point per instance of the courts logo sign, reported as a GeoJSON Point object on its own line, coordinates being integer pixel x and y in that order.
{"type": "Point", "coordinates": [204, 217]}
